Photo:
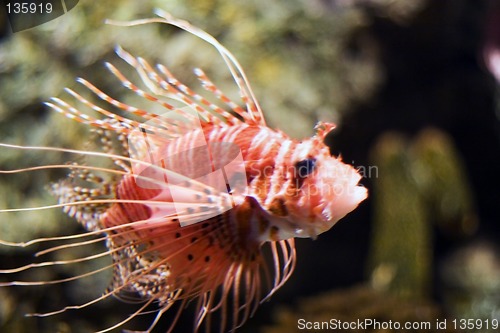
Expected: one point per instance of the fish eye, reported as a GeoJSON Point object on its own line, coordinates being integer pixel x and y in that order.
{"type": "Point", "coordinates": [305, 167]}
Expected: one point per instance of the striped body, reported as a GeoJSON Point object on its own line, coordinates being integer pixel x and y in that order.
{"type": "Point", "coordinates": [236, 235]}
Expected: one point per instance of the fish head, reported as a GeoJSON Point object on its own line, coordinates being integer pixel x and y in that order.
{"type": "Point", "coordinates": [322, 189]}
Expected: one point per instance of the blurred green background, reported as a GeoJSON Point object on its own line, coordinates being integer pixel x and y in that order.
{"type": "Point", "coordinates": [417, 110]}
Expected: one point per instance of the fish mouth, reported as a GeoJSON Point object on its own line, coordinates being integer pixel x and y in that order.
{"type": "Point", "coordinates": [343, 203]}
{"type": "Point", "coordinates": [318, 211]}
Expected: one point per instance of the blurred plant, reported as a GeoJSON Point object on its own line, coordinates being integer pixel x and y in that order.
{"type": "Point", "coordinates": [421, 183]}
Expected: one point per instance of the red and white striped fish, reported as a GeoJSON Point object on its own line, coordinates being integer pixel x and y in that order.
{"type": "Point", "coordinates": [196, 195]}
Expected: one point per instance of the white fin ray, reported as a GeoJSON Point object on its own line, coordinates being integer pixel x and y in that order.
{"type": "Point", "coordinates": [239, 76]}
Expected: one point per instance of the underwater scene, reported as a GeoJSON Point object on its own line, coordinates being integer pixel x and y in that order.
{"type": "Point", "coordinates": [249, 166]}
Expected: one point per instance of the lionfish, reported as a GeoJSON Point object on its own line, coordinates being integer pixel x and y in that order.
{"type": "Point", "coordinates": [195, 196]}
